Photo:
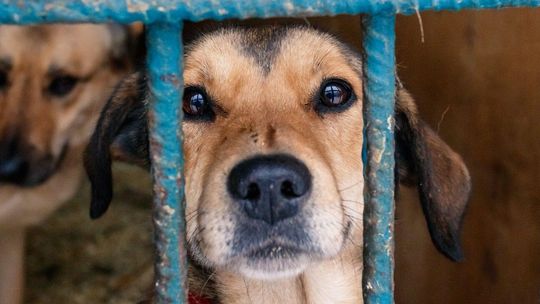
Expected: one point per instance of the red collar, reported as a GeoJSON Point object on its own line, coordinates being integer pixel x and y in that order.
{"type": "Point", "coordinates": [197, 299]}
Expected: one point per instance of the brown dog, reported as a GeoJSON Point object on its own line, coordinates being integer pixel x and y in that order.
{"type": "Point", "coordinates": [54, 80]}
{"type": "Point", "coordinates": [273, 167]}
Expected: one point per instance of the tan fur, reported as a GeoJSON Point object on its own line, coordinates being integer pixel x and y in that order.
{"type": "Point", "coordinates": [267, 114]}
{"type": "Point", "coordinates": [337, 280]}
{"type": "Point", "coordinates": [50, 124]}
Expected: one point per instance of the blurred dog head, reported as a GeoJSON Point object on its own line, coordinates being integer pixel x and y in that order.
{"type": "Point", "coordinates": [54, 79]}
{"type": "Point", "coordinates": [273, 152]}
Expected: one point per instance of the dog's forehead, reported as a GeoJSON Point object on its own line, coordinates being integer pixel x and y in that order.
{"type": "Point", "coordinates": [249, 61]}
{"type": "Point", "coordinates": [262, 45]}
{"type": "Point", "coordinates": [76, 47]}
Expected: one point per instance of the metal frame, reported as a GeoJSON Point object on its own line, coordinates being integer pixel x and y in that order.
{"type": "Point", "coordinates": [164, 19]}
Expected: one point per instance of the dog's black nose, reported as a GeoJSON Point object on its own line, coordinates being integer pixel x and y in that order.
{"type": "Point", "coordinates": [271, 187]}
{"type": "Point", "coordinates": [13, 169]}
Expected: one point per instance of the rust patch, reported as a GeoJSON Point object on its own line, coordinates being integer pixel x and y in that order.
{"type": "Point", "coordinates": [170, 78]}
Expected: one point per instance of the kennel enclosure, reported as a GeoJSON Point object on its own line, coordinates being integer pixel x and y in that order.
{"type": "Point", "coordinates": [164, 63]}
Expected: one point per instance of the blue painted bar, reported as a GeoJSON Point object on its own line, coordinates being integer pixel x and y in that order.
{"type": "Point", "coordinates": [164, 63]}
{"type": "Point", "coordinates": [124, 11]}
{"type": "Point", "coordinates": [379, 100]}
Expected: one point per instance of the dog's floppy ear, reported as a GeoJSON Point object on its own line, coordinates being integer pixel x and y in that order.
{"type": "Point", "coordinates": [126, 45]}
{"type": "Point", "coordinates": [121, 133]}
{"type": "Point", "coordinates": [440, 174]}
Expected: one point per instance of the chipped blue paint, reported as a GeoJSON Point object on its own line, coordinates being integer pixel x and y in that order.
{"type": "Point", "coordinates": [165, 83]}
{"type": "Point", "coordinates": [379, 92]}
{"type": "Point", "coordinates": [149, 11]}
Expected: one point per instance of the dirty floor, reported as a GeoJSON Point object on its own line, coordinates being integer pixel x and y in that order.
{"type": "Point", "coordinates": [72, 259]}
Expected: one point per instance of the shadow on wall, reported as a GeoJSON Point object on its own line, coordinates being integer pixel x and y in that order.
{"type": "Point", "coordinates": [476, 78]}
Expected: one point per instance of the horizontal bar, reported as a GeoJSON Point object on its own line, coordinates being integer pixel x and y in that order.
{"type": "Point", "coordinates": [379, 94]}
{"type": "Point", "coordinates": [164, 64]}
{"type": "Point", "coordinates": [149, 11]}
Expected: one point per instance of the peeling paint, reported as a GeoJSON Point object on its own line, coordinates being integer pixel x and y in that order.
{"type": "Point", "coordinates": [168, 210]}
{"type": "Point", "coordinates": [377, 153]}
{"type": "Point", "coordinates": [172, 11]}
{"type": "Point", "coordinates": [165, 84]}
{"type": "Point", "coordinates": [289, 6]}
{"type": "Point", "coordinates": [379, 97]}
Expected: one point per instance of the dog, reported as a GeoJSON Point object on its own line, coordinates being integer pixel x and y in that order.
{"type": "Point", "coordinates": [273, 165]}
{"type": "Point", "coordinates": [54, 80]}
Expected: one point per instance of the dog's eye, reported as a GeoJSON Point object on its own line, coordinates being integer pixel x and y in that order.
{"type": "Point", "coordinates": [196, 105]}
{"type": "Point", "coordinates": [62, 85]}
{"type": "Point", "coordinates": [334, 95]}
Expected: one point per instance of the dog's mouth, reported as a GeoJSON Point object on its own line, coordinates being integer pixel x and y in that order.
{"type": "Point", "coordinates": [273, 260]}
{"type": "Point", "coordinates": [274, 251]}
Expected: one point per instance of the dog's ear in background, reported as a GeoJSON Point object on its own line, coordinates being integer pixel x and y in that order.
{"type": "Point", "coordinates": [121, 133]}
{"type": "Point", "coordinates": [442, 178]}
{"type": "Point", "coordinates": [127, 45]}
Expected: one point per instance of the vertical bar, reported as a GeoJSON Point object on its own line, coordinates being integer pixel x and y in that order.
{"type": "Point", "coordinates": [379, 92]}
{"type": "Point", "coordinates": [164, 63]}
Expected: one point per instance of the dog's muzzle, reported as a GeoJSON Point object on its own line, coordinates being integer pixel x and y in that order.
{"type": "Point", "coordinates": [22, 166]}
{"type": "Point", "coordinates": [270, 188]}
{"type": "Point", "coordinates": [270, 194]}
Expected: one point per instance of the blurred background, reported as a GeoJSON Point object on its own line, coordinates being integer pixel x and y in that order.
{"type": "Point", "coordinates": [476, 79]}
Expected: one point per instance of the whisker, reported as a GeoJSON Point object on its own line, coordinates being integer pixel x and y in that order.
{"type": "Point", "coordinates": [206, 282]}
{"type": "Point", "coordinates": [350, 186]}
{"type": "Point", "coordinates": [191, 216]}
{"type": "Point", "coordinates": [247, 291]}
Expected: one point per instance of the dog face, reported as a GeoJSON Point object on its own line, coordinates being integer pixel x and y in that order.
{"type": "Point", "coordinates": [53, 81]}
{"type": "Point", "coordinates": [273, 143]}
{"type": "Point", "coordinates": [282, 111]}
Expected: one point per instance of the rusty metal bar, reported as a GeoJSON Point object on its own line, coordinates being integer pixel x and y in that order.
{"type": "Point", "coordinates": [379, 96]}
{"type": "Point", "coordinates": [149, 11]}
{"type": "Point", "coordinates": [164, 64]}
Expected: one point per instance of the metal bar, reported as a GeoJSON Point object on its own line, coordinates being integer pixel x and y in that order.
{"type": "Point", "coordinates": [379, 100]}
{"type": "Point", "coordinates": [164, 64]}
{"type": "Point", "coordinates": [148, 11]}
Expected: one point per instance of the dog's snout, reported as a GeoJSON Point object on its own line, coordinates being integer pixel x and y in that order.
{"type": "Point", "coordinates": [270, 188]}
{"type": "Point", "coordinates": [21, 166]}
{"type": "Point", "coordinates": [13, 169]}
